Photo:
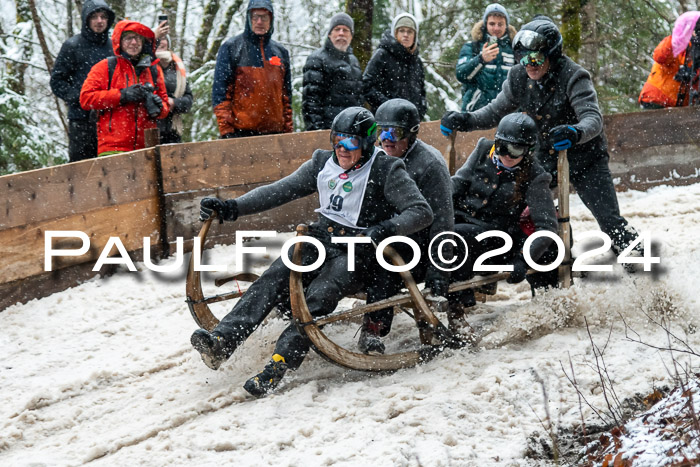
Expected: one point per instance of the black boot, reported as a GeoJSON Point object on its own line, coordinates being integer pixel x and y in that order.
{"type": "Point", "coordinates": [370, 342]}
{"type": "Point", "coordinates": [268, 379]}
{"type": "Point", "coordinates": [212, 347]}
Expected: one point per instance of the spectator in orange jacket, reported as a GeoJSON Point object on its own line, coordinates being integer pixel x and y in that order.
{"type": "Point", "coordinates": [127, 90]}
{"type": "Point", "coordinates": [671, 77]}
{"type": "Point", "coordinates": [252, 91]}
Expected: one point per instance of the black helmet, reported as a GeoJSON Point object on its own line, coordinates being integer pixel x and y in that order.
{"type": "Point", "coordinates": [399, 113]}
{"type": "Point", "coordinates": [517, 128]}
{"type": "Point", "coordinates": [357, 121]}
{"type": "Point", "coordinates": [538, 36]}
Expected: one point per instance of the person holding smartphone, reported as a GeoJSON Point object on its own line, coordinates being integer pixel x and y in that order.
{"type": "Point", "coordinates": [484, 62]}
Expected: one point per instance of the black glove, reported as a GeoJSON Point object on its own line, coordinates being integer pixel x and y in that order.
{"type": "Point", "coordinates": [519, 271]}
{"type": "Point", "coordinates": [154, 105]}
{"type": "Point", "coordinates": [563, 137]}
{"type": "Point", "coordinates": [379, 232]}
{"type": "Point", "coordinates": [228, 135]}
{"type": "Point", "coordinates": [455, 121]}
{"type": "Point", "coordinates": [227, 210]}
{"type": "Point", "coordinates": [438, 286]}
{"type": "Point", "coordinates": [684, 75]}
{"type": "Point", "coordinates": [134, 93]}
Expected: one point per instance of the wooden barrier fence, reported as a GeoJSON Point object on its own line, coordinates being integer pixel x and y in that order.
{"type": "Point", "coordinates": [155, 192]}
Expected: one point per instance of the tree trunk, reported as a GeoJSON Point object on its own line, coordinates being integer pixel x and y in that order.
{"type": "Point", "coordinates": [571, 27]}
{"type": "Point", "coordinates": [200, 46]}
{"type": "Point", "coordinates": [119, 9]}
{"type": "Point", "coordinates": [48, 59]}
{"type": "Point", "coordinates": [589, 39]}
{"type": "Point", "coordinates": [69, 19]}
{"type": "Point", "coordinates": [170, 9]}
{"type": "Point", "coordinates": [16, 69]}
{"type": "Point", "coordinates": [183, 28]}
{"type": "Point", "coordinates": [361, 12]}
{"type": "Point", "coordinates": [223, 30]}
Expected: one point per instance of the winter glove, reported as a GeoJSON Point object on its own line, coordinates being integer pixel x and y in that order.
{"type": "Point", "coordinates": [227, 210]}
{"type": "Point", "coordinates": [684, 75]}
{"type": "Point", "coordinates": [438, 286]}
{"type": "Point", "coordinates": [132, 94]}
{"type": "Point", "coordinates": [455, 121]}
{"type": "Point", "coordinates": [379, 232]}
{"type": "Point", "coordinates": [228, 135]}
{"type": "Point", "coordinates": [519, 271]}
{"type": "Point", "coordinates": [154, 105]}
{"type": "Point", "coordinates": [563, 137]}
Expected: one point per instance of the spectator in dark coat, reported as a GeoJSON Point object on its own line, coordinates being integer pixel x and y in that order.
{"type": "Point", "coordinates": [252, 91]}
{"type": "Point", "coordinates": [332, 76]}
{"type": "Point", "coordinates": [395, 70]}
{"type": "Point", "coordinates": [179, 92]}
{"type": "Point", "coordinates": [73, 63]}
{"type": "Point", "coordinates": [484, 61]}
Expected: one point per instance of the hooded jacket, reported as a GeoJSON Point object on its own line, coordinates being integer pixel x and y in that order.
{"type": "Point", "coordinates": [77, 56]}
{"type": "Point", "coordinates": [252, 88]}
{"type": "Point", "coordinates": [394, 72]}
{"type": "Point", "coordinates": [481, 82]}
{"type": "Point", "coordinates": [660, 87]}
{"type": "Point", "coordinates": [332, 83]}
{"type": "Point", "coordinates": [120, 127]}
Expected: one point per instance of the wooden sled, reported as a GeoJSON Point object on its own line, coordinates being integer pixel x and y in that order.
{"type": "Point", "coordinates": [196, 301]}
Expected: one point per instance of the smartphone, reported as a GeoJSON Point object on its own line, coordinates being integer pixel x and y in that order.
{"type": "Point", "coordinates": [162, 18]}
{"type": "Point", "coordinates": [493, 40]}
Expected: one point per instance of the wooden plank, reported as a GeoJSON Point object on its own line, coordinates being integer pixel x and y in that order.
{"type": "Point", "coordinates": [183, 213]}
{"type": "Point", "coordinates": [39, 195]}
{"type": "Point", "coordinates": [237, 161]}
{"type": "Point", "coordinates": [23, 247]}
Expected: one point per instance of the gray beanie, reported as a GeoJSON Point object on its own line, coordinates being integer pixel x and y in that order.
{"type": "Point", "coordinates": [498, 9]}
{"type": "Point", "coordinates": [342, 19]}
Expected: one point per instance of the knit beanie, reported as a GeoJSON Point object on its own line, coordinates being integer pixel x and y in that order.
{"type": "Point", "coordinates": [342, 19]}
{"type": "Point", "coordinates": [498, 9]}
{"type": "Point", "coordinates": [405, 21]}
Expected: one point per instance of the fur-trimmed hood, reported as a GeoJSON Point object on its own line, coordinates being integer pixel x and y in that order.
{"type": "Point", "coordinates": [479, 30]}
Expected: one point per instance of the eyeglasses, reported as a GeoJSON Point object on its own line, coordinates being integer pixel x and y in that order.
{"type": "Point", "coordinates": [132, 38]}
{"type": "Point", "coordinates": [349, 142]}
{"type": "Point", "coordinates": [256, 17]}
{"type": "Point", "coordinates": [512, 150]}
{"type": "Point", "coordinates": [392, 133]}
{"type": "Point", "coordinates": [531, 57]}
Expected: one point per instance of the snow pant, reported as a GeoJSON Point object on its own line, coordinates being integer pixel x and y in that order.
{"type": "Point", "coordinates": [595, 187]}
{"type": "Point", "coordinates": [324, 287]}
{"type": "Point", "coordinates": [82, 140]}
{"type": "Point", "coordinates": [384, 284]}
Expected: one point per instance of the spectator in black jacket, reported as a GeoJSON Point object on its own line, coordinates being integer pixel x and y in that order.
{"type": "Point", "coordinates": [395, 70]}
{"type": "Point", "coordinates": [179, 93]}
{"type": "Point", "coordinates": [332, 76]}
{"type": "Point", "coordinates": [73, 63]}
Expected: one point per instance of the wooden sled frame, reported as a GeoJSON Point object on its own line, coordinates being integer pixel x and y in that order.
{"type": "Point", "coordinates": [434, 336]}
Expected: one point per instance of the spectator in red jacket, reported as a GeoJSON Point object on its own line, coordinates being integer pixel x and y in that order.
{"type": "Point", "coordinates": [130, 96]}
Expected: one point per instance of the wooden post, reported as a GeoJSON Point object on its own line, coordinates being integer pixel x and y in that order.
{"type": "Point", "coordinates": [451, 153]}
{"type": "Point", "coordinates": [151, 137]}
{"type": "Point", "coordinates": [564, 226]}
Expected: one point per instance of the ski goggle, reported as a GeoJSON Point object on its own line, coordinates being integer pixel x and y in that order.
{"type": "Point", "coordinates": [512, 150]}
{"type": "Point", "coordinates": [392, 133]}
{"type": "Point", "coordinates": [349, 142]}
{"type": "Point", "coordinates": [531, 57]}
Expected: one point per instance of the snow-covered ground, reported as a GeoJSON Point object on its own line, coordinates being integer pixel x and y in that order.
{"type": "Point", "coordinates": [104, 373]}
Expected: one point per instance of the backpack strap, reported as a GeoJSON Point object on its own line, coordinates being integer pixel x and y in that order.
{"type": "Point", "coordinates": [111, 65]}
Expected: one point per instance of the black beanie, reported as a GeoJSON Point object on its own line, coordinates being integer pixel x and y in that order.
{"type": "Point", "coordinates": [342, 19]}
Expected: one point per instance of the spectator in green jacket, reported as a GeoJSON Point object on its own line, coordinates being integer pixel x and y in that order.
{"type": "Point", "coordinates": [484, 62]}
